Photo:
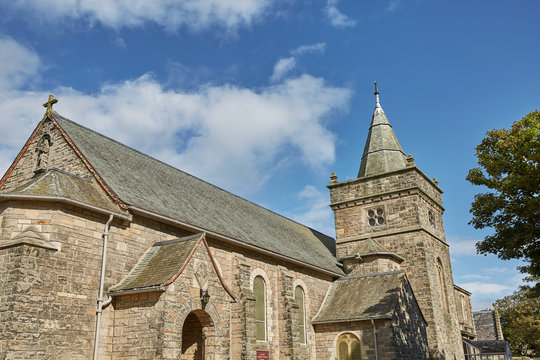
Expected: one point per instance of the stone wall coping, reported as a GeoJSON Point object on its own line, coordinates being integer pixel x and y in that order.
{"type": "Point", "coordinates": [50, 245]}
{"type": "Point", "coordinates": [462, 290]}
{"type": "Point", "coordinates": [367, 178]}
{"type": "Point", "coordinates": [389, 232]}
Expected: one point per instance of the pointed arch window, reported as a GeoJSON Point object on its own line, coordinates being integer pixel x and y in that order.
{"type": "Point", "coordinates": [259, 290]}
{"type": "Point", "coordinates": [442, 284]}
{"type": "Point", "coordinates": [348, 347]}
{"type": "Point", "coordinates": [299, 297]}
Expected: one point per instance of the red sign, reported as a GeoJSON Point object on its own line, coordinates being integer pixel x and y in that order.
{"type": "Point", "coordinates": [263, 355]}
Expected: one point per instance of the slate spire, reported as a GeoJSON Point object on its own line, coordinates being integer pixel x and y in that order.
{"type": "Point", "coordinates": [382, 152]}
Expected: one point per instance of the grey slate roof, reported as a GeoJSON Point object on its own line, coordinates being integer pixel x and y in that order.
{"type": "Point", "coordinates": [146, 183]}
{"type": "Point", "coordinates": [365, 297]}
{"type": "Point", "coordinates": [382, 152]}
{"type": "Point", "coordinates": [485, 324]}
{"type": "Point", "coordinates": [491, 347]}
{"type": "Point", "coordinates": [159, 265]}
{"type": "Point", "coordinates": [58, 183]}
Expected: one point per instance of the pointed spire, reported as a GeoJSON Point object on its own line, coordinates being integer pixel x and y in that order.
{"type": "Point", "coordinates": [382, 152]}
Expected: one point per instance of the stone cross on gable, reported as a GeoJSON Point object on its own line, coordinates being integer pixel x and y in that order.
{"type": "Point", "coordinates": [50, 103]}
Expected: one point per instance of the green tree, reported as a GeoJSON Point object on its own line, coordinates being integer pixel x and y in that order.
{"type": "Point", "coordinates": [509, 167]}
{"type": "Point", "coordinates": [520, 321]}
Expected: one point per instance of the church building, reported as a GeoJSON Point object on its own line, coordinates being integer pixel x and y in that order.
{"type": "Point", "coordinates": [107, 253]}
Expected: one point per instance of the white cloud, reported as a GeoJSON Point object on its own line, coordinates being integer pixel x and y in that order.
{"type": "Point", "coordinates": [18, 65]}
{"type": "Point", "coordinates": [219, 133]}
{"type": "Point", "coordinates": [460, 246]}
{"type": "Point", "coordinates": [285, 65]}
{"type": "Point", "coordinates": [337, 18]}
{"type": "Point", "coordinates": [394, 5]}
{"type": "Point", "coordinates": [474, 276]}
{"type": "Point", "coordinates": [170, 14]}
{"type": "Point", "coordinates": [282, 67]}
{"type": "Point", "coordinates": [315, 213]}
{"type": "Point", "coordinates": [484, 288]}
{"type": "Point", "coordinates": [318, 47]}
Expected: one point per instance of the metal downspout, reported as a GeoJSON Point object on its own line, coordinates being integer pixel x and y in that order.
{"type": "Point", "coordinates": [375, 339]}
{"type": "Point", "coordinates": [101, 302]}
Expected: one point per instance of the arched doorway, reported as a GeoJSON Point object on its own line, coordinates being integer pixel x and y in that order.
{"type": "Point", "coordinates": [197, 336]}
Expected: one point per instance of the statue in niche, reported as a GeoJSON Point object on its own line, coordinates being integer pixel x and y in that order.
{"type": "Point", "coordinates": [42, 150]}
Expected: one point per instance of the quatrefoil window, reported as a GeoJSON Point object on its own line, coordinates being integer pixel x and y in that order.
{"type": "Point", "coordinates": [376, 217]}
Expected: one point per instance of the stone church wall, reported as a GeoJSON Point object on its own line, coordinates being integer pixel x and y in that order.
{"type": "Point", "coordinates": [58, 290]}
{"type": "Point", "coordinates": [409, 328]}
{"type": "Point", "coordinates": [52, 298]}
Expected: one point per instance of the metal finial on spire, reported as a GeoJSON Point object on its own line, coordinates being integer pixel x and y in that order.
{"type": "Point", "coordinates": [376, 93]}
{"type": "Point", "coordinates": [50, 103]}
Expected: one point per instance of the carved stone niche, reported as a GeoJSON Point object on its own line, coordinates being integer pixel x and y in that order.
{"type": "Point", "coordinates": [42, 149]}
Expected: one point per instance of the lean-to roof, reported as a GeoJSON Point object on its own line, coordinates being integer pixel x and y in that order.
{"type": "Point", "coordinates": [359, 298]}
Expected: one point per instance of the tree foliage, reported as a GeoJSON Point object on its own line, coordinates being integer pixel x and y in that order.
{"type": "Point", "coordinates": [520, 321]}
{"type": "Point", "coordinates": [509, 167]}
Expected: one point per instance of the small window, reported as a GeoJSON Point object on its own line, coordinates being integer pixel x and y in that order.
{"type": "Point", "coordinates": [348, 347]}
{"type": "Point", "coordinates": [300, 301]}
{"type": "Point", "coordinates": [376, 216]}
{"type": "Point", "coordinates": [259, 290]}
{"type": "Point", "coordinates": [442, 284]}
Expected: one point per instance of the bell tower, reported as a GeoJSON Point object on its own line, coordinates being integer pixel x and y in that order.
{"type": "Point", "coordinates": [394, 203]}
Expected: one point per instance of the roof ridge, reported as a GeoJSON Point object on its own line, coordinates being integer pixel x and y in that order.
{"type": "Point", "coordinates": [184, 172]}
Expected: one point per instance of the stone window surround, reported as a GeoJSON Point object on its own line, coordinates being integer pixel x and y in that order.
{"type": "Point", "coordinates": [304, 308]}
{"type": "Point", "coordinates": [334, 347]}
{"type": "Point", "coordinates": [260, 272]}
{"type": "Point", "coordinates": [442, 284]}
{"type": "Point", "coordinates": [379, 213]}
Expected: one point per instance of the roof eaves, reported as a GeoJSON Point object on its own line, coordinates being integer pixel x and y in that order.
{"type": "Point", "coordinates": [8, 196]}
{"type": "Point", "coordinates": [159, 288]}
{"type": "Point", "coordinates": [351, 320]}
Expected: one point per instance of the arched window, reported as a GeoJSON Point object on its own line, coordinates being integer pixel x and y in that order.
{"type": "Point", "coordinates": [300, 301]}
{"type": "Point", "coordinates": [259, 290]}
{"type": "Point", "coordinates": [348, 347]}
{"type": "Point", "coordinates": [442, 284]}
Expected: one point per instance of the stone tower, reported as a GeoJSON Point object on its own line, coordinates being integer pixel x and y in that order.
{"type": "Point", "coordinates": [393, 202]}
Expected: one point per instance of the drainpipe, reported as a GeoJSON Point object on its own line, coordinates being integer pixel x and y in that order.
{"type": "Point", "coordinates": [375, 338]}
{"type": "Point", "coordinates": [102, 303]}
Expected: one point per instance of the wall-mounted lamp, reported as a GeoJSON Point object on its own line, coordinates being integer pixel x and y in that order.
{"type": "Point", "coordinates": [205, 298]}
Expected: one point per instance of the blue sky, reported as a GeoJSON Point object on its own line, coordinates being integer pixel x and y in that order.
{"type": "Point", "coordinates": [266, 97]}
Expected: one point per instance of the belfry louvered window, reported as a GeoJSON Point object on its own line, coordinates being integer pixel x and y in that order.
{"type": "Point", "coordinates": [300, 301]}
{"type": "Point", "coordinates": [259, 290]}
